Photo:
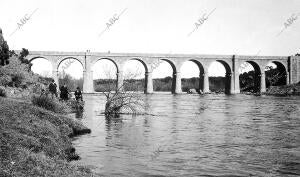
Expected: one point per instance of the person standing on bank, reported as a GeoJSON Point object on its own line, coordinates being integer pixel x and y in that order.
{"type": "Point", "coordinates": [64, 93]}
{"type": "Point", "coordinates": [53, 89]}
{"type": "Point", "coordinates": [78, 94]}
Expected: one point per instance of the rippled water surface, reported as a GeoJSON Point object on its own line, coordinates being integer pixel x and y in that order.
{"type": "Point", "coordinates": [194, 135]}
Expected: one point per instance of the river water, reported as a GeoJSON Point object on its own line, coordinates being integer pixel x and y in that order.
{"type": "Point", "coordinates": [195, 135]}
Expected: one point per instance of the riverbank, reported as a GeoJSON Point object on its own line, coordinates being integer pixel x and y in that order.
{"type": "Point", "coordinates": [284, 90]}
{"type": "Point", "coordinates": [36, 142]}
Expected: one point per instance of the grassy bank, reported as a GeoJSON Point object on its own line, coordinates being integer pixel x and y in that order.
{"type": "Point", "coordinates": [36, 142]}
{"type": "Point", "coordinates": [284, 90]}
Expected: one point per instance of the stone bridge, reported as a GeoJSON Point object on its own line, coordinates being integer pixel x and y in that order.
{"type": "Point", "coordinates": [290, 65]}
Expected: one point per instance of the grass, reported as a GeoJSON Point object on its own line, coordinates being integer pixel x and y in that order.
{"type": "Point", "coordinates": [50, 104]}
{"type": "Point", "coordinates": [35, 141]}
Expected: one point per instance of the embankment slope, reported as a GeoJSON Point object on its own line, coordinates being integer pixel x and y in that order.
{"type": "Point", "coordinates": [36, 142]}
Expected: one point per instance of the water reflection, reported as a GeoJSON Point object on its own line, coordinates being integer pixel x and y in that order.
{"type": "Point", "coordinates": [194, 135]}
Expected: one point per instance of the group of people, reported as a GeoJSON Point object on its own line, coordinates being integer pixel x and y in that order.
{"type": "Point", "coordinates": [64, 92]}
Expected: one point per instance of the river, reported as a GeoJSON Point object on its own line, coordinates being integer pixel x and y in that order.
{"type": "Point", "coordinates": [194, 135]}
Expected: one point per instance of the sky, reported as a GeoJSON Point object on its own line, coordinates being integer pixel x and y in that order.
{"type": "Point", "coordinates": [247, 27]}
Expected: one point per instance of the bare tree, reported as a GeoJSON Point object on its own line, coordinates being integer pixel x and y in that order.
{"type": "Point", "coordinates": [121, 101]}
{"type": "Point", "coordinates": [126, 101]}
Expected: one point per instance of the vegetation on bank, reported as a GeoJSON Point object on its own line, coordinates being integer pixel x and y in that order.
{"type": "Point", "coordinates": [36, 142]}
{"type": "Point", "coordinates": [284, 90]}
{"type": "Point", "coordinates": [217, 84]}
{"type": "Point", "coordinates": [274, 77]}
{"type": "Point", "coordinates": [50, 104]}
{"type": "Point", "coordinates": [18, 81]}
{"type": "Point", "coordinates": [35, 138]}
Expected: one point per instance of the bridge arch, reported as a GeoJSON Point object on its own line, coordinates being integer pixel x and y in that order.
{"type": "Point", "coordinates": [138, 77]}
{"type": "Point", "coordinates": [256, 66]}
{"type": "Point", "coordinates": [197, 81]}
{"type": "Point", "coordinates": [276, 76]}
{"type": "Point", "coordinates": [70, 72]}
{"type": "Point", "coordinates": [176, 78]}
{"type": "Point", "coordinates": [37, 57]}
{"type": "Point", "coordinates": [109, 59]}
{"type": "Point", "coordinates": [171, 63]}
{"type": "Point", "coordinates": [250, 79]}
{"type": "Point", "coordinates": [228, 75]}
{"type": "Point", "coordinates": [143, 63]}
{"type": "Point", "coordinates": [226, 66]}
{"type": "Point", "coordinates": [199, 64]}
{"type": "Point", "coordinates": [165, 73]}
{"type": "Point", "coordinates": [42, 66]}
{"type": "Point", "coordinates": [66, 58]}
{"type": "Point", "coordinates": [106, 74]}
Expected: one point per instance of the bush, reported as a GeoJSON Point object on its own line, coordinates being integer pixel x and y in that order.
{"type": "Point", "coordinates": [123, 102]}
{"type": "Point", "coordinates": [17, 80]}
{"type": "Point", "coordinates": [2, 92]}
{"type": "Point", "coordinates": [5, 80]}
{"type": "Point", "coordinates": [16, 75]}
{"type": "Point", "coordinates": [50, 104]}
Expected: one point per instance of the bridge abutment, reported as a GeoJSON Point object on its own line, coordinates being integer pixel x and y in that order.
{"type": "Point", "coordinates": [263, 82]}
{"type": "Point", "coordinates": [120, 81]}
{"type": "Point", "coordinates": [176, 86]}
{"type": "Point", "coordinates": [235, 76]}
{"type": "Point", "coordinates": [88, 85]}
{"type": "Point", "coordinates": [205, 83]}
{"type": "Point", "coordinates": [232, 84]}
{"type": "Point", "coordinates": [148, 83]}
{"type": "Point", "coordinates": [228, 83]}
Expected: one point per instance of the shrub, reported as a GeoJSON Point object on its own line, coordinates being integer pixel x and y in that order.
{"type": "Point", "coordinates": [17, 80]}
{"type": "Point", "coordinates": [2, 92]}
{"type": "Point", "coordinates": [50, 104]}
{"type": "Point", "coordinates": [16, 74]}
{"type": "Point", "coordinates": [5, 80]}
{"type": "Point", "coordinates": [123, 102]}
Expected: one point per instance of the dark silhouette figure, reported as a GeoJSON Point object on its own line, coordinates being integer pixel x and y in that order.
{"type": "Point", "coordinates": [64, 93]}
{"type": "Point", "coordinates": [78, 94]}
{"type": "Point", "coordinates": [53, 89]}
